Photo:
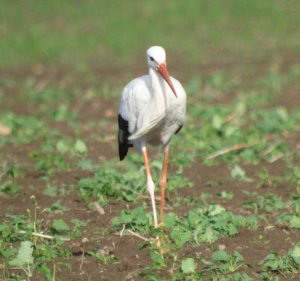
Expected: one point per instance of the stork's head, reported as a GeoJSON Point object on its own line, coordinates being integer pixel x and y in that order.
{"type": "Point", "coordinates": [156, 58]}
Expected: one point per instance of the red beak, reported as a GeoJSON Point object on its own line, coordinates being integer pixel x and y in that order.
{"type": "Point", "coordinates": [162, 69]}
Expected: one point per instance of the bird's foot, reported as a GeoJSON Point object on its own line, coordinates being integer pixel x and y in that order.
{"type": "Point", "coordinates": [160, 240]}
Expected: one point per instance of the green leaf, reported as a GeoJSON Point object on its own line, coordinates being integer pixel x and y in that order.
{"type": "Point", "coordinates": [270, 256]}
{"type": "Point", "coordinates": [181, 235]}
{"type": "Point", "coordinates": [238, 257]}
{"type": "Point", "coordinates": [57, 206]}
{"type": "Point", "coordinates": [217, 122]}
{"type": "Point", "coordinates": [137, 219]}
{"type": "Point", "coordinates": [241, 277]}
{"type": "Point", "coordinates": [79, 223]}
{"type": "Point", "coordinates": [209, 235]}
{"type": "Point", "coordinates": [170, 219]}
{"type": "Point", "coordinates": [62, 147]}
{"type": "Point", "coordinates": [220, 255]}
{"type": "Point", "coordinates": [295, 254]}
{"type": "Point", "coordinates": [239, 174]}
{"type": "Point", "coordinates": [80, 147]}
{"type": "Point", "coordinates": [282, 113]}
{"type": "Point", "coordinates": [46, 271]}
{"type": "Point", "coordinates": [85, 164]}
{"type": "Point", "coordinates": [24, 257]}
{"type": "Point", "coordinates": [60, 226]}
{"type": "Point", "coordinates": [188, 265]}
{"type": "Point", "coordinates": [226, 194]}
{"type": "Point", "coordinates": [215, 210]}
{"type": "Point", "coordinates": [295, 222]}
{"type": "Point", "coordinates": [157, 258]}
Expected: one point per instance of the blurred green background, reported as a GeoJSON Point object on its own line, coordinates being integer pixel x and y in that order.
{"type": "Point", "coordinates": [110, 34]}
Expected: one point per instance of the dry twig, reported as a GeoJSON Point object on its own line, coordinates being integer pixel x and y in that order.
{"type": "Point", "coordinates": [99, 209]}
{"type": "Point", "coordinates": [46, 236]}
{"type": "Point", "coordinates": [241, 146]}
{"type": "Point", "coordinates": [122, 231]}
{"type": "Point", "coordinates": [231, 148]}
{"type": "Point", "coordinates": [269, 149]}
{"type": "Point", "coordinates": [137, 235]}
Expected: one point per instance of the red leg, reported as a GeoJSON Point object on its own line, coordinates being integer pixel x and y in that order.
{"type": "Point", "coordinates": [150, 186]}
{"type": "Point", "coordinates": [163, 183]}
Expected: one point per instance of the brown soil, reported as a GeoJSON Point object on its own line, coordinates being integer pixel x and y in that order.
{"type": "Point", "coordinates": [253, 245]}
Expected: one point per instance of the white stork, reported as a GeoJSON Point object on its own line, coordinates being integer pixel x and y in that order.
{"type": "Point", "coordinates": [152, 110]}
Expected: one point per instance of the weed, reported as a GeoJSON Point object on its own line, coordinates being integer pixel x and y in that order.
{"type": "Point", "coordinates": [270, 203]}
{"type": "Point", "coordinates": [287, 264]}
{"type": "Point", "coordinates": [137, 219]}
{"type": "Point", "coordinates": [222, 262]}
{"type": "Point", "coordinates": [25, 129]}
{"type": "Point", "coordinates": [104, 258]}
{"type": "Point", "coordinates": [36, 250]}
{"type": "Point", "coordinates": [56, 208]}
{"type": "Point", "coordinates": [209, 224]}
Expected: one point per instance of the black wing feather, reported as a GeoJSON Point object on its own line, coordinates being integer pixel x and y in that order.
{"type": "Point", "coordinates": [123, 135]}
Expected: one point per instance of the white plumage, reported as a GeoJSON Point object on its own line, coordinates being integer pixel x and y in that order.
{"type": "Point", "coordinates": [152, 110]}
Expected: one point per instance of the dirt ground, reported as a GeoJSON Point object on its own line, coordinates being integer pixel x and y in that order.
{"type": "Point", "coordinates": [128, 248]}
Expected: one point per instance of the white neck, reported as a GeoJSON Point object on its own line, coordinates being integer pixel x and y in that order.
{"type": "Point", "coordinates": [157, 105]}
{"type": "Point", "coordinates": [159, 94]}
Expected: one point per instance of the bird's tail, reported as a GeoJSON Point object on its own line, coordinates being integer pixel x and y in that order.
{"type": "Point", "coordinates": [123, 146]}
{"type": "Point", "coordinates": [123, 137]}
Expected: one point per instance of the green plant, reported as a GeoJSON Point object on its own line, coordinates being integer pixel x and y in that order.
{"type": "Point", "coordinates": [24, 259]}
{"type": "Point", "coordinates": [287, 264]}
{"type": "Point", "coordinates": [209, 224]}
{"type": "Point", "coordinates": [24, 245]}
{"type": "Point", "coordinates": [104, 258]}
{"type": "Point", "coordinates": [8, 176]}
{"type": "Point", "coordinates": [137, 219]}
{"type": "Point", "coordinates": [224, 266]}
{"type": "Point", "coordinates": [270, 202]}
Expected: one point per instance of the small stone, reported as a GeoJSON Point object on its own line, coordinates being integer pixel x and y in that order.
{"type": "Point", "coordinates": [85, 240]}
{"type": "Point", "coordinates": [4, 131]}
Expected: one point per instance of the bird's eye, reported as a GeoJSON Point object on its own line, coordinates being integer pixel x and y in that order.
{"type": "Point", "coordinates": [151, 58]}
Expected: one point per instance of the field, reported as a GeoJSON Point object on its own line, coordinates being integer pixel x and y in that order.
{"type": "Point", "coordinates": [69, 210]}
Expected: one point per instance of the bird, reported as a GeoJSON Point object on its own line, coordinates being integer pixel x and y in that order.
{"type": "Point", "coordinates": [152, 109]}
